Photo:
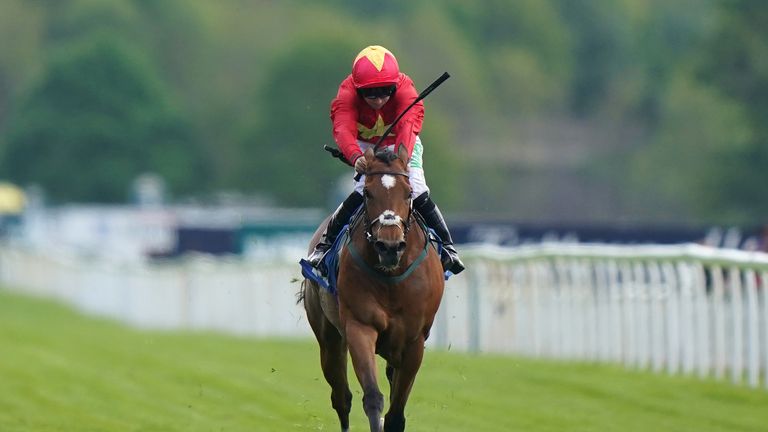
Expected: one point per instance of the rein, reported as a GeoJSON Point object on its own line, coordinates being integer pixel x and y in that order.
{"type": "Point", "coordinates": [388, 279]}
{"type": "Point", "coordinates": [368, 225]}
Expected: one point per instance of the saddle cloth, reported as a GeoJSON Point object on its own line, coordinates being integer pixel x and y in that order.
{"type": "Point", "coordinates": [330, 262]}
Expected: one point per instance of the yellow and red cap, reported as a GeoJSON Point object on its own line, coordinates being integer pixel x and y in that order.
{"type": "Point", "coordinates": [375, 66]}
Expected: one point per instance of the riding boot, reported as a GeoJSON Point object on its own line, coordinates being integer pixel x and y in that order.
{"type": "Point", "coordinates": [337, 221]}
{"type": "Point", "coordinates": [434, 219]}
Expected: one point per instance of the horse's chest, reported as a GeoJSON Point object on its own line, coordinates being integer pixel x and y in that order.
{"type": "Point", "coordinates": [384, 311]}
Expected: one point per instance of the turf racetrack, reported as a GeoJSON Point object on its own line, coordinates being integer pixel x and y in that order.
{"type": "Point", "coordinates": [60, 371]}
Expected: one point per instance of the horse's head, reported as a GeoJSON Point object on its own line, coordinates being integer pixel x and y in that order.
{"type": "Point", "coordinates": [388, 202]}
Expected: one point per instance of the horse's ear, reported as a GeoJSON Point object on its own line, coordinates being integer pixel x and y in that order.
{"type": "Point", "coordinates": [402, 153]}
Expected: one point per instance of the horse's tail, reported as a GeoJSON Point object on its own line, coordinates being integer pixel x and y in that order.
{"type": "Point", "coordinates": [301, 294]}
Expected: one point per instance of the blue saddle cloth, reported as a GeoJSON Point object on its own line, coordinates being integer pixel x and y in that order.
{"type": "Point", "coordinates": [331, 261]}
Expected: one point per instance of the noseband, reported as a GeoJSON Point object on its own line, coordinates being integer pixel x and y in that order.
{"type": "Point", "coordinates": [388, 217]}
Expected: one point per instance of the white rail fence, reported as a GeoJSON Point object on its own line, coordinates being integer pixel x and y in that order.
{"type": "Point", "coordinates": [680, 309]}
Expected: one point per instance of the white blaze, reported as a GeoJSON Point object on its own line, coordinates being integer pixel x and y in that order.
{"type": "Point", "coordinates": [388, 181]}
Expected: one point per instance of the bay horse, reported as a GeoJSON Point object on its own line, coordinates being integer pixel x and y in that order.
{"type": "Point", "coordinates": [389, 288]}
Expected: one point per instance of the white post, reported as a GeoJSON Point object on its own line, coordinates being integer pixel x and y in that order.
{"type": "Point", "coordinates": [737, 319]}
{"type": "Point", "coordinates": [687, 338]}
{"type": "Point", "coordinates": [764, 314]}
{"type": "Point", "coordinates": [628, 315]}
{"type": "Point", "coordinates": [657, 294]}
{"type": "Point", "coordinates": [565, 338]}
{"type": "Point", "coordinates": [603, 311]}
{"type": "Point", "coordinates": [642, 322]}
{"type": "Point", "coordinates": [753, 328]}
{"type": "Point", "coordinates": [617, 352]}
{"type": "Point", "coordinates": [590, 277]}
{"type": "Point", "coordinates": [719, 324]}
{"type": "Point", "coordinates": [702, 326]}
{"type": "Point", "coordinates": [548, 308]}
{"type": "Point", "coordinates": [673, 318]}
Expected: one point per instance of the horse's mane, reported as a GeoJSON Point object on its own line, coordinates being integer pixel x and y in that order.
{"type": "Point", "coordinates": [385, 155]}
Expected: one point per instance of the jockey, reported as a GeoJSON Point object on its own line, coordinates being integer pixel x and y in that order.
{"type": "Point", "coordinates": [368, 101]}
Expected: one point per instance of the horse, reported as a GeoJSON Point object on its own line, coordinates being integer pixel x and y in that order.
{"type": "Point", "coordinates": [389, 287]}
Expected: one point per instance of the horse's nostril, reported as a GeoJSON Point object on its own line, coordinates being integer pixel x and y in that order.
{"type": "Point", "coordinates": [401, 246]}
{"type": "Point", "coordinates": [380, 247]}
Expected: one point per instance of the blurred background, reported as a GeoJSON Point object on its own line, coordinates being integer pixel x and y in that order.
{"type": "Point", "coordinates": [162, 165]}
{"type": "Point", "coordinates": [605, 120]}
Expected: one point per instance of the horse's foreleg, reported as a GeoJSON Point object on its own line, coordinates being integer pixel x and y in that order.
{"type": "Point", "coordinates": [333, 359]}
{"type": "Point", "coordinates": [333, 354]}
{"type": "Point", "coordinates": [361, 340]}
{"type": "Point", "coordinates": [402, 383]}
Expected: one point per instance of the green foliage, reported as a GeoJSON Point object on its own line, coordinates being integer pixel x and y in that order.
{"type": "Point", "coordinates": [601, 47]}
{"type": "Point", "coordinates": [524, 46]}
{"type": "Point", "coordinates": [69, 20]}
{"type": "Point", "coordinates": [442, 161]}
{"type": "Point", "coordinates": [735, 62]}
{"type": "Point", "coordinates": [99, 118]}
{"type": "Point", "coordinates": [19, 23]}
{"type": "Point", "coordinates": [240, 71]}
{"type": "Point", "coordinates": [700, 134]}
{"type": "Point", "coordinates": [285, 155]}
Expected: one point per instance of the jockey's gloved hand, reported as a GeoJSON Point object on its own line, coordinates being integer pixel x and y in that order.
{"type": "Point", "coordinates": [361, 165]}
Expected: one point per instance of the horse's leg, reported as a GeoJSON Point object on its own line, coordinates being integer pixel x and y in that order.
{"type": "Point", "coordinates": [333, 356]}
{"type": "Point", "coordinates": [361, 340]}
{"type": "Point", "coordinates": [333, 359]}
{"type": "Point", "coordinates": [402, 382]}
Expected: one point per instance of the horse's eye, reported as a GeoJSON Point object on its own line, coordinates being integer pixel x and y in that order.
{"type": "Point", "coordinates": [366, 193]}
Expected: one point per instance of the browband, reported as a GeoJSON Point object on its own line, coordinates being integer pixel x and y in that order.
{"type": "Point", "coordinates": [400, 173]}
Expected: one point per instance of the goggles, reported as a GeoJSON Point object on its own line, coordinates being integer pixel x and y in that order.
{"type": "Point", "coordinates": [377, 92]}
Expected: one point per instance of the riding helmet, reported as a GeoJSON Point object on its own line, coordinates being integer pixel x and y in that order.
{"type": "Point", "coordinates": [375, 66]}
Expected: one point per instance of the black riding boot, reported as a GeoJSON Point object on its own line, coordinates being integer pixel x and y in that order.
{"type": "Point", "coordinates": [337, 221]}
{"type": "Point", "coordinates": [434, 219]}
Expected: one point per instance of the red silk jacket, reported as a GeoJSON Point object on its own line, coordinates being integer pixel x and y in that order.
{"type": "Point", "coordinates": [354, 119]}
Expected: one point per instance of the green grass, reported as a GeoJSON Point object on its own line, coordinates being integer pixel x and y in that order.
{"type": "Point", "coordinates": [60, 371]}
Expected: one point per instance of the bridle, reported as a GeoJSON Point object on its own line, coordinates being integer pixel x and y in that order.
{"type": "Point", "coordinates": [387, 218]}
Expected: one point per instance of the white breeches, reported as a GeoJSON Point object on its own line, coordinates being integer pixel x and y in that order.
{"type": "Point", "coordinates": [415, 168]}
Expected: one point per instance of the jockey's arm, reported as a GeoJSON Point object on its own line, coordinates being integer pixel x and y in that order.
{"type": "Point", "coordinates": [409, 126]}
{"type": "Point", "coordinates": [344, 118]}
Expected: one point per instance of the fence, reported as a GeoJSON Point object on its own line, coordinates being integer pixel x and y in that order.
{"type": "Point", "coordinates": [680, 309]}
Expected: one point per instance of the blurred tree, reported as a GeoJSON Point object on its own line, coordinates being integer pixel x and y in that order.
{"type": "Point", "coordinates": [681, 173]}
{"type": "Point", "coordinates": [594, 88]}
{"type": "Point", "coordinates": [20, 59]}
{"type": "Point", "coordinates": [99, 118]}
{"type": "Point", "coordinates": [525, 49]}
{"type": "Point", "coordinates": [736, 63]}
{"type": "Point", "coordinates": [602, 41]}
{"type": "Point", "coordinates": [283, 154]}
